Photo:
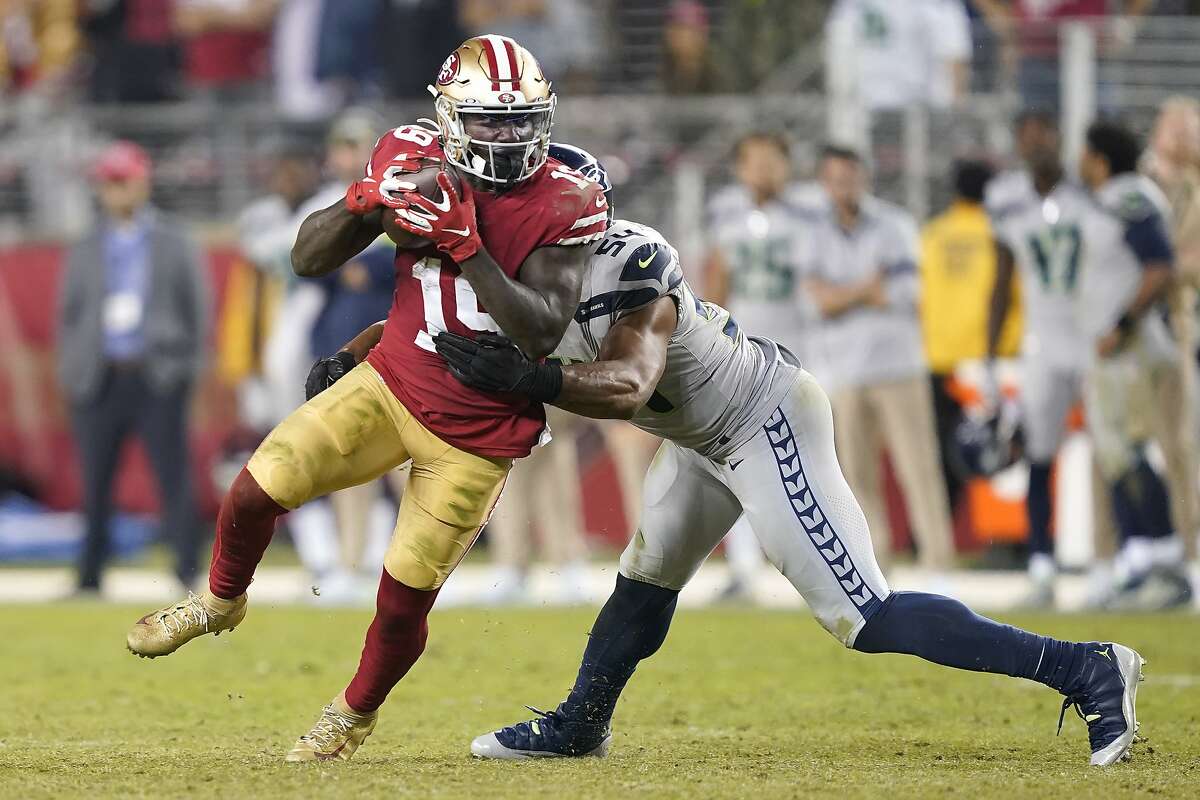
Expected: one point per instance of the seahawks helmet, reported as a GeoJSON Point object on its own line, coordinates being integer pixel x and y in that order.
{"type": "Point", "coordinates": [586, 165]}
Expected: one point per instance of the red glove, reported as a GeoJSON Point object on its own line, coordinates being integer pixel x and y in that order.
{"type": "Point", "coordinates": [363, 197]}
{"type": "Point", "coordinates": [449, 223]}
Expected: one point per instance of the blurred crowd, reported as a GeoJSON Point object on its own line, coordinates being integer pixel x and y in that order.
{"type": "Point", "coordinates": [311, 57]}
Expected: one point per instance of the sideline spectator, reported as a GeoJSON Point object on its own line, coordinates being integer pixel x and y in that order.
{"type": "Point", "coordinates": [1174, 162]}
{"type": "Point", "coordinates": [1030, 27]}
{"type": "Point", "coordinates": [757, 226]}
{"type": "Point", "coordinates": [134, 53]}
{"type": "Point", "coordinates": [327, 53]}
{"type": "Point", "coordinates": [759, 36]}
{"type": "Point", "coordinates": [419, 35]}
{"type": "Point", "coordinates": [863, 280]}
{"type": "Point", "coordinates": [958, 270]}
{"type": "Point", "coordinates": [38, 42]}
{"type": "Point", "coordinates": [133, 322]}
{"type": "Point", "coordinates": [688, 66]}
{"type": "Point", "coordinates": [562, 33]}
{"type": "Point", "coordinates": [917, 52]}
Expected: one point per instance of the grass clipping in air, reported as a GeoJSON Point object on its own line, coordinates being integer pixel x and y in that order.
{"type": "Point", "coordinates": [751, 704]}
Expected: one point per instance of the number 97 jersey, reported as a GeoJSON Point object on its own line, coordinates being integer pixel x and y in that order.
{"type": "Point", "coordinates": [556, 206]}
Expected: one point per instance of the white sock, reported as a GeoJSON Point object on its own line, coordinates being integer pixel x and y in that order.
{"type": "Point", "coordinates": [1042, 568]}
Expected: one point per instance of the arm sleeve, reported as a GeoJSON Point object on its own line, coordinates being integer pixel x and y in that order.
{"type": "Point", "coordinates": [1150, 240]}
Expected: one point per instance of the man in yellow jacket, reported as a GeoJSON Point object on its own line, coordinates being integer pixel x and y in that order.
{"type": "Point", "coordinates": [958, 268]}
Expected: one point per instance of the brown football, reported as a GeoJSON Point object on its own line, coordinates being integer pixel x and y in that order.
{"type": "Point", "coordinates": [427, 186]}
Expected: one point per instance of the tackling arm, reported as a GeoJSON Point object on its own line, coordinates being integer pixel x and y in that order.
{"type": "Point", "coordinates": [534, 311]}
{"type": "Point", "coordinates": [629, 365]}
{"type": "Point", "coordinates": [330, 237]}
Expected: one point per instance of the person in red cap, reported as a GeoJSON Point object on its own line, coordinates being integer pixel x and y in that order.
{"type": "Point", "coordinates": [133, 315]}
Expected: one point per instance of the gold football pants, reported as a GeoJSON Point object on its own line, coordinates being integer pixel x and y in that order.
{"type": "Point", "coordinates": [355, 431]}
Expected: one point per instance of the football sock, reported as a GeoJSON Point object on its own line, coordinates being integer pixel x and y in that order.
{"type": "Point", "coordinates": [395, 641]}
{"type": "Point", "coordinates": [946, 632]}
{"type": "Point", "coordinates": [1141, 504]}
{"type": "Point", "coordinates": [631, 626]}
{"type": "Point", "coordinates": [1037, 507]}
{"type": "Point", "coordinates": [244, 527]}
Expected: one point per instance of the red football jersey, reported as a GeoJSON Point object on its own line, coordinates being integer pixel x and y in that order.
{"type": "Point", "coordinates": [557, 206]}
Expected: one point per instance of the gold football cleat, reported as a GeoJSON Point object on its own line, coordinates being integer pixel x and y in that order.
{"type": "Point", "coordinates": [338, 733]}
{"type": "Point", "coordinates": [162, 632]}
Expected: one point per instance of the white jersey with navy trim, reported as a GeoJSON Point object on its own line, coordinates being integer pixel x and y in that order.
{"type": "Point", "coordinates": [1051, 239]}
{"type": "Point", "coordinates": [718, 385]}
{"type": "Point", "coordinates": [747, 432]}
{"type": "Point", "coordinates": [762, 247]}
{"type": "Point", "coordinates": [1138, 230]}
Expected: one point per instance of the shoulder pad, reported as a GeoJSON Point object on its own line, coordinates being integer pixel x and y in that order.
{"type": "Point", "coordinates": [636, 261]}
{"type": "Point", "coordinates": [406, 141]}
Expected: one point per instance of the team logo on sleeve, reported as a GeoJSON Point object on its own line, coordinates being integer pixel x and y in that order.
{"type": "Point", "coordinates": [449, 69]}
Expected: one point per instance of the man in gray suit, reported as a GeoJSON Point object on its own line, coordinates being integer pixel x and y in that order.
{"type": "Point", "coordinates": [133, 318]}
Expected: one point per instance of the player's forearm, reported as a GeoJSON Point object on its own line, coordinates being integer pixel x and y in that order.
{"type": "Point", "coordinates": [528, 317]}
{"type": "Point", "coordinates": [329, 238]}
{"type": "Point", "coordinates": [833, 299]}
{"type": "Point", "coordinates": [361, 344]}
{"type": "Point", "coordinates": [604, 390]}
{"type": "Point", "coordinates": [1155, 280]}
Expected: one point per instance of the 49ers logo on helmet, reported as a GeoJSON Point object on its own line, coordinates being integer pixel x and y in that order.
{"type": "Point", "coordinates": [507, 98]}
{"type": "Point", "coordinates": [449, 69]}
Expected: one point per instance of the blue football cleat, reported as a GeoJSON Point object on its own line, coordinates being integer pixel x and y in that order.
{"type": "Point", "coordinates": [1105, 699]}
{"type": "Point", "coordinates": [550, 735]}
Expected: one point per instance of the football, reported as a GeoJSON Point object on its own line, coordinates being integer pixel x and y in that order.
{"type": "Point", "coordinates": [427, 186]}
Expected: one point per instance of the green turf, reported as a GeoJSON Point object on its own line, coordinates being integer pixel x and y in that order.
{"type": "Point", "coordinates": [737, 704]}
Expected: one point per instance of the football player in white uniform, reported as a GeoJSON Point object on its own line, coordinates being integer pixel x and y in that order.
{"type": "Point", "coordinates": [1040, 219]}
{"type": "Point", "coordinates": [746, 430]}
{"type": "Point", "coordinates": [1132, 351]}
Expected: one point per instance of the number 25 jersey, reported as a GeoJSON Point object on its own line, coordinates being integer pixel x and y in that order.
{"type": "Point", "coordinates": [555, 207]}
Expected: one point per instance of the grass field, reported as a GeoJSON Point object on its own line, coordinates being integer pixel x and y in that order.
{"type": "Point", "coordinates": [737, 704]}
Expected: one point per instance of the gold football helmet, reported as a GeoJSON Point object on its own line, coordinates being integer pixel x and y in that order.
{"type": "Point", "coordinates": [494, 110]}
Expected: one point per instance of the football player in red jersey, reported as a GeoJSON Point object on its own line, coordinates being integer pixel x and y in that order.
{"type": "Point", "coordinates": [505, 253]}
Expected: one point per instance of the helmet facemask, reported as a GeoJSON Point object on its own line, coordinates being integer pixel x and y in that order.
{"type": "Point", "coordinates": [499, 160]}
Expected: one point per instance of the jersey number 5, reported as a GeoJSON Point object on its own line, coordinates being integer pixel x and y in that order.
{"type": "Point", "coordinates": [466, 306]}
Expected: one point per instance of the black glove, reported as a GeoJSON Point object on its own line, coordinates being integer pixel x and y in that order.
{"type": "Point", "coordinates": [327, 371]}
{"type": "Point", "coordinates": [492, 363]}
